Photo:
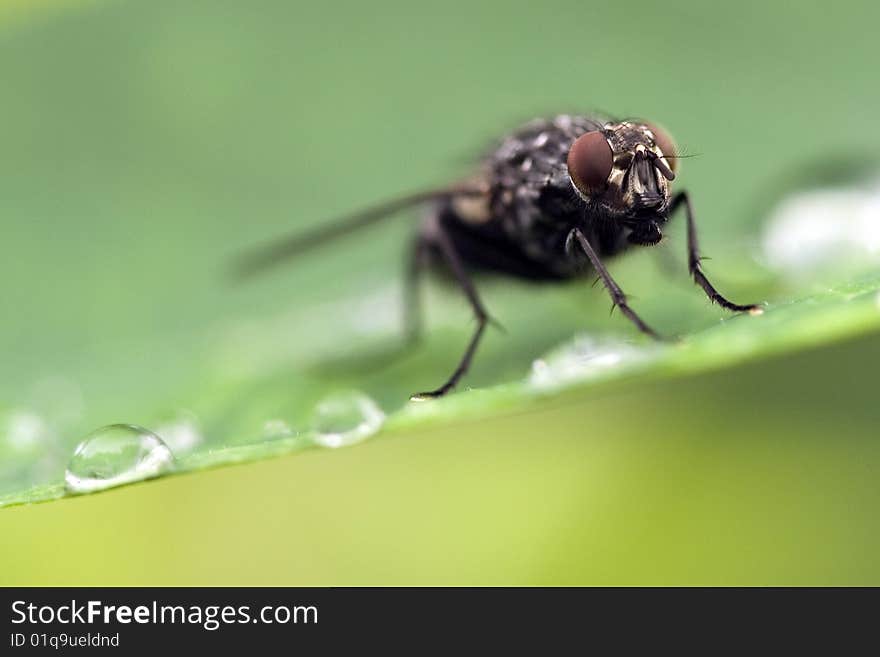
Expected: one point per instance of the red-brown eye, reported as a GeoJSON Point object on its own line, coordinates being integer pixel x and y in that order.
{"type": "Point", "coordinates": [589, 162]}
{"type": "Point", "coordinates": [666, 144]}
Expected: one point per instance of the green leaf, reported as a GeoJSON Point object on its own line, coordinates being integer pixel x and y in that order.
{"type": "Point", "coordinates": [140, 162]}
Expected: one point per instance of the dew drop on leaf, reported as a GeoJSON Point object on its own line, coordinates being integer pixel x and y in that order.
{"type": "Point", "coordinates": [276, 428]}
{"type": "Point", "coordinates": [822, 230]}
{"type": "Point", "coordinates": [181, 432]}
{"type": "Point", "coordinates": [585, 358]}
{"type": "Point", "coordinates": [23, 431]}
{"type": "Point", "coordinates": [345, 419]}
{"type": "Point", "coordinates": [115, 455]}
{"type": "Point", "coordinates": [28, 447]}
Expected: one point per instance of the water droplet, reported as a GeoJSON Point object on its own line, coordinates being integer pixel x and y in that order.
{"type": "Point", "coordinates": [115, 455]}
{"type": "Point", "coordinates": [586, 358]}
{"type": "Point", "coordinates": [24, 431]}
{"type": "Point", "coordinates": [28, 448]}
{"type": "Point", "coordinates": [275, 428]}
{"type": "Point", "coordinates": [181, 432]}
{"type": "Point", "coordinates": [821, 229]}
{"type": "Point", "coordinates": [345, 419]}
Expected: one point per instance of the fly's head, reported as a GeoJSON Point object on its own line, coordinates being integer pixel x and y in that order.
{"type": "Point", "coordinates": [625, 169]}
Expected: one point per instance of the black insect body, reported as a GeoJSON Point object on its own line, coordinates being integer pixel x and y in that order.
{"type": "Point", "coordinates": [551, 202]}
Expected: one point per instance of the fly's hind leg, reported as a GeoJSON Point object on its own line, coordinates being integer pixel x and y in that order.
{"type": "Point", "coordinates": [417, 261]}
{"type": "Point", "coordinates": [437, 238]}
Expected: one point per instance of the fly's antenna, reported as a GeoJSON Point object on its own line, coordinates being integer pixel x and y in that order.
{"type": "Point", "coordinates": [660, 164]}
{"type": "Point", "coordinates": [260, 259]}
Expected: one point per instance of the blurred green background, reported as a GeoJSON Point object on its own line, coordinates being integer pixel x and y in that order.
{"type": "Point", "coordinates": [145, 142]}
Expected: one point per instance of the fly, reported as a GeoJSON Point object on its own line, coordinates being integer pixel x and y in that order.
{"type": "Point", "coordinates": [551, 202]}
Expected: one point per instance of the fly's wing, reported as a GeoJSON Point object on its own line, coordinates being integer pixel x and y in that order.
{"type": "Point", "coordinates": [263, 258]}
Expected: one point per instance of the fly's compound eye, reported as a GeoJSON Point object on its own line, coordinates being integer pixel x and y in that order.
{"type": "Point", "coordinates": [666, 144]}
{"type": "Point", "coordinates": [589, 162]}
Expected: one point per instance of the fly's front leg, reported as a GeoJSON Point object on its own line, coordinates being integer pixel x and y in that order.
{"type": "Point", "coordinates": [447, 250]}
{"type": "Point", "coordinates": [694, 259]}
{"type": "Point", "coordinates": [618, 298]}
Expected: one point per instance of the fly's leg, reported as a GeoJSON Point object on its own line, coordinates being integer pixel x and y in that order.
{"type": "Point", "coordinates": [618, 298]}
{"type": "Point", "coordinates": [417, 261]}
{"type": "Point", "coordinates": [446, 248]}
{"type": "Point", "coordinates": [694, 259]}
